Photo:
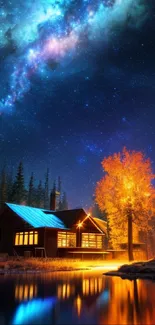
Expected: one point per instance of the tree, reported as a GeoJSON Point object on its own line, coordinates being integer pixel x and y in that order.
{"type": "Point", "coordinates": [64, 203]}
{"type": "Point", "coordinates": [9, 186]}
{"type": "Point", "coordinates": [18, 193]}
{"type": "Point", "coordinates": [59, 203]}
{"type": "Point", "coordinates": [127, 195]}
{"type": "Point", "coordinates": [97, 213]}
{"type": "Point", "coordinates": [59, 184]}
{"type": "Point", "coordinates": [39, 196]}
{"type": "Point", "coordinates": [30, 200]}
{"type": "Point", "coordinates": [46, 193]}
{"type": "Point", "coordinates": [3, 188]}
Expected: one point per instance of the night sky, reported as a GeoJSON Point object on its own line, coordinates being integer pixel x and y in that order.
{"type": "Point", "coordinates": [77, 84]}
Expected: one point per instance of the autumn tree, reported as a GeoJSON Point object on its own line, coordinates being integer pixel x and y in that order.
{"type": "Point", "coordinates": [127, 195]}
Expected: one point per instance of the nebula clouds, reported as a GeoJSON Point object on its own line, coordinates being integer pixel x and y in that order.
{"type": "Point", "coordinates": [41, 34]}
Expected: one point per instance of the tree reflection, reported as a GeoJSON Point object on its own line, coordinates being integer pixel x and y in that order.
{"type": "Point", "coordinates": [129, 303]}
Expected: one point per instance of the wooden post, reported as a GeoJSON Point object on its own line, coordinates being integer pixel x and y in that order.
{"type": "Point", "coordinates": [130, 244]}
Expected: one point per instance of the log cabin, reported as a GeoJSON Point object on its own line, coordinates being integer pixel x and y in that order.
{"type": "Point", "coordinates": [29, 231]}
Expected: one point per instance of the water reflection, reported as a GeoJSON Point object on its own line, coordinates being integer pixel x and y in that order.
{"type": "Point", "coordinates": [33, 312]}
{"type": "Point", "coordinates": [25, 291]}
{"type": "Point", "coordinates": [130, 302]}
{"type": "Point", "coordinates": [80, 298]}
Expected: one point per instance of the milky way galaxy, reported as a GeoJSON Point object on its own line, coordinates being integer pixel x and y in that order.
{"type": "Point", "coordinates": [38, 34]}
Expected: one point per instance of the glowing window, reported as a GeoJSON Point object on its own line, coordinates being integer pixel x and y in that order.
{"type": "Point", "coordinates": [17, 239]}
{"type": "Point", "coordinates": [91, 240]}
{"type": "Point", "coordinates": [31, 238]}
{"type": "Point", "coordinates": [35, 238]}
{"type": "Point", "coordinates": [66, 239]}
{"type": "Point", "coordinates": [21, 238]}
{"type": "Point", "coordinates": [26, 238]}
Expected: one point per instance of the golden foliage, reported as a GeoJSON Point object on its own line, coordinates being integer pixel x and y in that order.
{"type": "Point", "coordinates": [127, 184]}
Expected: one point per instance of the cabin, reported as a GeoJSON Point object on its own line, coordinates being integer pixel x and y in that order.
{"type": "Point", "coordinates": [29, 231]}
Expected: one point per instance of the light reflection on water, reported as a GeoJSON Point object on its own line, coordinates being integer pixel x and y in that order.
{"type": "Point", "coordinates": [76, 298]}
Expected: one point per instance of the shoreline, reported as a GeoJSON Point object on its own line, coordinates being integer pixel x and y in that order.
{"type": "Point", "coordinates": [36, 265]}
{"type": "Point", "coordinates": [131, 276]}
{"type": "Point", "coordinates": [138, 270]}
{"type": "Point", "coordinates": [15, 271]}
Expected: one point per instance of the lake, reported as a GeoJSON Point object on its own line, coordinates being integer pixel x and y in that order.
{"type": "Point", "coordinates": [85, 297]}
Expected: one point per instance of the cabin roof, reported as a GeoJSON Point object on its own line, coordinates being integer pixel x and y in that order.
{"type": "Point", "coordinates": [101, 223]}
{"type": "Point", "coordinates": [70, 217]}
{"type": "Point", "coordinates": [37, 217]}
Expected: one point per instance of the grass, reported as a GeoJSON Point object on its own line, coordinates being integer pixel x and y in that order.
{"type": "Point", "coordinates": [49, 264]}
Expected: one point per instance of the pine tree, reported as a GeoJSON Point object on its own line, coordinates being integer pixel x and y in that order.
{"type": "Point", "coordinates": [59, 205]}
{"type": "Point", "coordinates": [18, 194]}
{"type": "Point", "coordinates": [40, 196]}
{"type": "Point", "coordinates": [46, 193]}
{"type": "Point", "coordinates": [64, 203]}
{"type": "Point", "coordinates": [30, 200]}
{"type": "Point", "coordinates": [9, 187]}
{"type": "Point", "coordinates": [3, 191]}
{"type": "Point", "coordinates": [54, 187]}
{"type": "Point", "coordinates": [59, 184]}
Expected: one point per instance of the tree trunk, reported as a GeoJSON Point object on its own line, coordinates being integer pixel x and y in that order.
{"type": "Point", "coordinates": [130, 244]}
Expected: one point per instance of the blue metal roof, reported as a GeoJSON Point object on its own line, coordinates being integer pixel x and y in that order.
{"type": "Point", "coordinates": [36, 217]}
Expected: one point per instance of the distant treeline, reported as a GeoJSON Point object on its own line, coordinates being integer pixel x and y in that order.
{"type": "Point", "coordinates": [13, 190]}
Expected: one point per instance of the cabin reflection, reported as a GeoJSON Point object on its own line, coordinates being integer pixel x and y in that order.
{"type": "Point", "coordinates": [78, 305]}
{"type": "Point", "coordinates": [85, 287]}
{"type": "Point", "coordinates": [87, 294]}
{"type": "Point", "coordinates": [25, 291]}
{"type": "Point", "coordinates": [65, 291]}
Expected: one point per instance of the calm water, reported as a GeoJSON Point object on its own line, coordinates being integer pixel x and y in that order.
{"type": "Point", "coordinates": [75, 298]}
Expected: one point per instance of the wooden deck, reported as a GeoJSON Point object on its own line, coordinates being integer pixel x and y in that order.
{"type": "Point", "coordinates": [92, 253]}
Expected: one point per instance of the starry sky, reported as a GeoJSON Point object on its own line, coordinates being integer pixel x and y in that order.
{"type": "Point", "coordinates": [77, 84]}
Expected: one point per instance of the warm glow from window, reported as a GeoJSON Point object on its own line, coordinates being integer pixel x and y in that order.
{"type": "Point", "coordinates": [31, 238]}
{"type": "Point", "coordinates": [26, 238]}
{"type": "Point", "coordinates": [16, 239]}
{"type": "Point", "coordinates": [66, 239]}
{"type": "Point", "coordinates": [91, 240]}
{"type": "Point", "coordinates": [21, 238]}
{"type": "Point", "coordinates": [35, 238]}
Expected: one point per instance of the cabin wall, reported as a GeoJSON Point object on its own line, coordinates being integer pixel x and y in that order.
{"type": "Point", "coordinates": [87, 227]}
{"type": "Point", "coordinates": [50, 242]}
{"type": "Point", "coordinates": [8, 222]}
{"type": "Point", "coordinates": [31, 250]}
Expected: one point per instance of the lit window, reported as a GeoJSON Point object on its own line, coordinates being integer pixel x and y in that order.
{"type": "Point", "coordinates": [17, 239]}
{"type": "Point", "coordinates": [21, 238]}
{"type": "Point", "coordinates": [31, 238]}
{"type": "Point", "coordinates": [35, 238]}
{"type": "Point", "coordinates": [66, 239]}
{"type": "Point", "coordinates": [91, 240]}
{"type": "Point", "coordinates": [26, 238]}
